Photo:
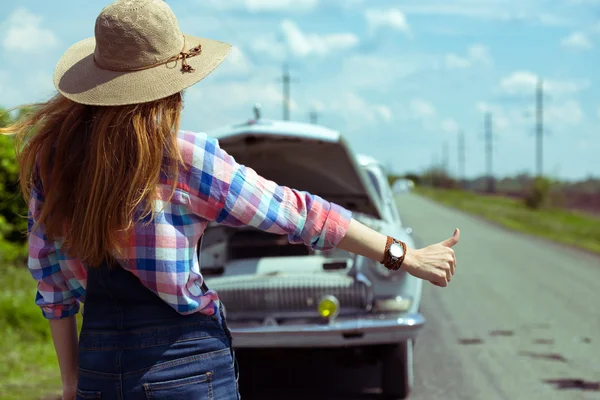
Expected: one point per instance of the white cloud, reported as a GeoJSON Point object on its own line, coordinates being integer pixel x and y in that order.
{"type": "Point", "coordinates": [454, 61]}
{"type": "Point", "coordinates": [390, 18]}
{"type": "Point", "coordinates": [519, 120]}
{"type": "Point", "coordinates": [302, 44]}
{"type": "Point", "coordinates": [476, 54]}
{"type": "Point", "coordinates": [554, 20]}
{"type": "Point", "coordinates": [37, 87]}
{"type": "Point", "coordinates": [356, 110]}
{"type": "Point", "coordinates": [482, 107]}
{"type": "Point", "coordinates": [568, 113]}
{"type": "Point", "coordinates": [504, 120]}
{"type": "Point", "coordinates": [270, 46]}
{"type": "Point", "coordinates": [384, 112]}
{"type": "Point", "coordinates": [480, 53]}
{"type": "Point", "coordinates": [495, 10]}
{"type": "Point", "coordinates": [287, 6]}
{"type": "Point", "coordinates": [500, 10]}
{"type": "Point", "coordinates": [235, 64]}
{"type": "Point", "coordinates": [450, 126]}
{"type": "Point", "coordinates": [374, 71]}
{"type": "Point", "coordinates": [25, 34]}
{"type": "Point", "coordinates": [219, 103]}
{"type": "Point", "coordinates": [317, 105]}
{"type": "Point", "coordinates": [501, 122]}
{"type": "Point", "coordinates": [584, 1]}
{"type": "Point", "coordinates": [524, 83]}
{"type": "Point", "coordinates": [577, 41]}
{"type": "Point", "coordinates": [348, 4]}
{"type": "Point", "coordinates": [472, 9]}
{"type": "Point", "coordinates": [280, 5]}
{"type": "Point", "coordinates": [422, 109]}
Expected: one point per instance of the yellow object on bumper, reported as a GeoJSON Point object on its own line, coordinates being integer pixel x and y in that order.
{"type": "Point", "coordinates": [329, 307]}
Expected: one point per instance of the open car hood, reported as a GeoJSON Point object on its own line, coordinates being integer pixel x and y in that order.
{"type": "Point", "coordinates": [304, 157]}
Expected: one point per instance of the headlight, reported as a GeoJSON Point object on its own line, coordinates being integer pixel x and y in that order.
{"type": "Point", "coordinates": [329, 307]}
{"type": "Point", "coordinates": [393, 304]}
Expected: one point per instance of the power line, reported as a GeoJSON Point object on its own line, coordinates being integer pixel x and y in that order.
{"type": "Point", "coordinates": [489, 152]}
{"type": "Point", "coordinates": [286, 80]}
{"type": "Point", "coordinates": [540, 126]}
{"type": "Point", "coordinates": [445, 157]}
{"type": "Point", "coordinates": [286, 93]}
{"type": "Point", "coordinates": [461, 157]}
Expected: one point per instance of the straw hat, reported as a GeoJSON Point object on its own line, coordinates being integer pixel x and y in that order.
{"type": "Point", "coordinates": [138, 55]}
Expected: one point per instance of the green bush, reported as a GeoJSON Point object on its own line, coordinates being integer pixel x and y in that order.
{"type": "Point", "coordinates": [538, 194]}
{"type": "Point", "coordinates": [413, 177]}
{"type": "Point", "coordinates": [438, 178]}
{"type": "Point", "coordinates": [13, 210]}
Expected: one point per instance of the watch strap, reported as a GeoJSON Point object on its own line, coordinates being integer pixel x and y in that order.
{"type": "Point", "coordinates": [388, 261]}
{"type": "Point", "coordinates": [386, 252]}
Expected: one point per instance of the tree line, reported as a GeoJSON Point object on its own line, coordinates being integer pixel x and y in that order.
{"type": "Point", "coordinates": [13, 209]}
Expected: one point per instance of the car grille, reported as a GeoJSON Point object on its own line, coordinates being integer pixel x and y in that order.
{"type": "Point", "coordinates": [282, 295]}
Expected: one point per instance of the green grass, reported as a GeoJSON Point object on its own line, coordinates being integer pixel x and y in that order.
{"type": "Point", "coordinates": [29, 369]}
{"type": "Point", "coordinates": [568, 227]}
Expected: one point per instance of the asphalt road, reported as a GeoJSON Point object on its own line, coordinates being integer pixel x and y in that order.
{"type": "Point", "coordinates": [520, 320]}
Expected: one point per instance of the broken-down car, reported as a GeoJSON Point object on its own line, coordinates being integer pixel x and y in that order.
{"type": "Point", "coordinates": [282, 295]}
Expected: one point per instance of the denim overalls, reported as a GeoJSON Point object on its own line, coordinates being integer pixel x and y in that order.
{"type": "Point", "coordinates": [133, 346]}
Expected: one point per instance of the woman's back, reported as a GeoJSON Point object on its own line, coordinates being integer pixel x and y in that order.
{"type": "Point", "coordinates": [162, 251]}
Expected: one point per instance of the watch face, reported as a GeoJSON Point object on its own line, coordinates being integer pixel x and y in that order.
{"type": "Point", "coordinates": [396, 250]}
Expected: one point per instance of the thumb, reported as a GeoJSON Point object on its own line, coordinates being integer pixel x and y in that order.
{"type": "Point", "coordinates": [453, 240]}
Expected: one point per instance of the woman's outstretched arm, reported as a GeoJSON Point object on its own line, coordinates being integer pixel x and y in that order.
{"type": "Point", "coordinates": [435, 263]}
{"type": "Point", "coordinates": [236, 195]}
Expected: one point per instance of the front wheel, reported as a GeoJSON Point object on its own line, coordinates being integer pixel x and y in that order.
{"type": "Point", "coordinates": [397, 370]}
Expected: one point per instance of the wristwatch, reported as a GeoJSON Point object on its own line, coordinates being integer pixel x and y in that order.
{"type": "Point", "coordinates": [395, 251]}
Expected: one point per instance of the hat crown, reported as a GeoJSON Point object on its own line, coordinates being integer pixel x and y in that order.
{"type": "Point", "coordinates": [133, 34]}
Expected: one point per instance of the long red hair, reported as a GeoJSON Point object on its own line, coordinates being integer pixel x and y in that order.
{"type": "Point", "coordinates": [98, 168]}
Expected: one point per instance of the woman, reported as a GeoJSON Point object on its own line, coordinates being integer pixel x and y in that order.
{"type": "Point", "coordinates": [119, 198]}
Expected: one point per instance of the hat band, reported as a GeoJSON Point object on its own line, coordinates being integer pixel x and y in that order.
{"type": "Point", "coordinates": [183, 55]}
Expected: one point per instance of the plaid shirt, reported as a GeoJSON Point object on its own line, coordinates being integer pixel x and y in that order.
{"type": "Point", "coordinates": [212, 187]}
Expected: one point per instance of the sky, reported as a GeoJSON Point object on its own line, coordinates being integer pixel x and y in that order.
{"type": "Point", "coordinates": [399, 79]}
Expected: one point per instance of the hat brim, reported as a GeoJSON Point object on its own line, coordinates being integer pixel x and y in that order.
{"type": "Point", "coordinates": [78, 78]}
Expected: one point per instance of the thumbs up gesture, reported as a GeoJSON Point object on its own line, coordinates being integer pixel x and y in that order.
{"type": "Point", "coordinates": [435, 263]}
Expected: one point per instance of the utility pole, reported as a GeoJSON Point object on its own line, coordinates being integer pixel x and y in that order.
{"type": "Point", "coordinates": [286, 92]}
{"type": "Point", "coordinates": [461, 158]}
{"type": "Point", "coordinates": [445, 158]}
{"type": "Point", "coordinates": [540, 127]}
{"type": "Point", "coordinates": [489, 151]}
{"type": "Point", "coordinates": [313, 117]}
{"type": "Point", "coordinates": [434, 170]}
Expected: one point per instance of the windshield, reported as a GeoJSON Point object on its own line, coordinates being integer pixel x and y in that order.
{"type": "Point", "coordinates": [375, 183]}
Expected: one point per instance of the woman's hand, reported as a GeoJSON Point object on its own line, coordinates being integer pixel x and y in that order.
{"type": "Point", "coordinates": [69, 392]}
{"type": "Point", "coordinates": [435, 263]}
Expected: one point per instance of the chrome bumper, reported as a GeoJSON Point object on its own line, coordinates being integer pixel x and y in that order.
{"type": "Point", "coordinates": [342, 333]}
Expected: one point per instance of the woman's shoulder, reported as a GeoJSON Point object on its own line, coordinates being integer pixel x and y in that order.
{"type": "Point", "coordinates": [204, 163]}
{"type": "Point", "coordinates": [195, 146]}
{"type": "Point", "coordinates": [201, 140]}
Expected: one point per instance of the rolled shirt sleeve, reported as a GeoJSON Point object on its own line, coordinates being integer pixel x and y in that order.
{"type": "Point", "coordinates": [54, 295]}
{"type": "Point", "coordinates": [235, 195]}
